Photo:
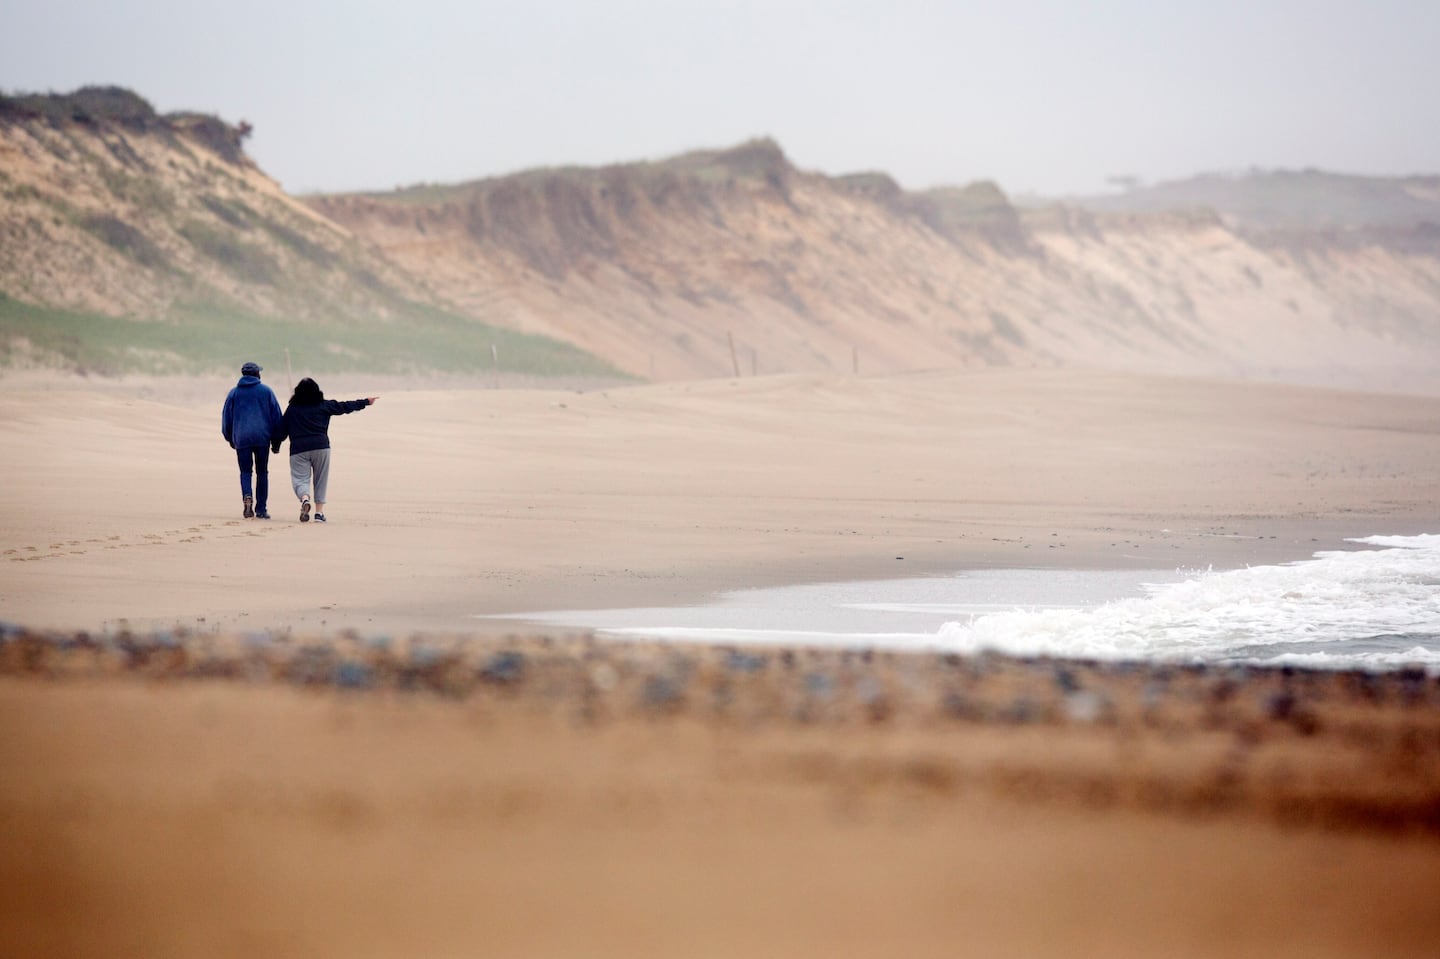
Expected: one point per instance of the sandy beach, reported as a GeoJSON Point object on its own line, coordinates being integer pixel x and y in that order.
{"type": "Point", "coordinates": [446, 504]}
{"type": "Point", "coordinates": [157, 801]}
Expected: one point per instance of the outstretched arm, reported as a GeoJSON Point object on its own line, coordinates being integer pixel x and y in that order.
{"type": "Point", "coordinates": [335, 407]}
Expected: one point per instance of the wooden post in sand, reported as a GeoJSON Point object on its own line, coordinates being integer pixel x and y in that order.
{"type": "Point", "coordinates": [855, 360]}
{"type": "Point", "coordinates": [495, 364]}
{"type": "Point", "coordinates": [733, 361]}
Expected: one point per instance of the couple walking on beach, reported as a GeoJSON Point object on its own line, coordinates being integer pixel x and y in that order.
{"type": "Point", "coordinates": [253, 425]}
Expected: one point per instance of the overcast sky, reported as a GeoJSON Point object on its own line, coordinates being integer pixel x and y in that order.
{"type": "Point", "coordinates": [1042, 96]}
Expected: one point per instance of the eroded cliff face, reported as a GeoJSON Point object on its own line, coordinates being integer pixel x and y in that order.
{"type": "Point", "coordinates": [712, 263]}
{"type": "Point", "coordinates": [107, 207]}
{"type": "Point", "coordinates": [661, 267]}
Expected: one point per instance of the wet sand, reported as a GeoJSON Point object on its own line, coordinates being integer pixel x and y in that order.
{"type": "Point", "coordinates": [229, 737]}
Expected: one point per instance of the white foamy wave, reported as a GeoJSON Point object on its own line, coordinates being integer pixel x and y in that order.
{"type": "Point", "coordinates": [913, 642]}
{"type": "Point", "coordinates": [1423, 541]}
{"type": "Point", "coordinates": [1376, 608]}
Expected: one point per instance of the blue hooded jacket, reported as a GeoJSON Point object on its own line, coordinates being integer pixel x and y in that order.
{"type": "Point", "coordinates": [251, 415]}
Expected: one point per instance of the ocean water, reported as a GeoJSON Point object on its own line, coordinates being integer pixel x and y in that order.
{"type": "Point", "coordinates": [1374, 607]}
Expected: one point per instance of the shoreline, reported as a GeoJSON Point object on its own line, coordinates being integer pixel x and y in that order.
{"type": "Point", "coordinates": [1297, 540]}
{"type": "Point", "coordinates": [602, 588]}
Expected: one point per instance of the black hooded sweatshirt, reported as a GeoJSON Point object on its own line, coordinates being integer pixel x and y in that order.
{"type": "Point", "coordinates": [308, 424]}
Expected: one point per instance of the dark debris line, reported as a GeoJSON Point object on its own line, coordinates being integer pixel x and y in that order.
{"type": "Point", "coordinates": [1374, 737]}
{"type": "Point", "coordinates": [806, 684]}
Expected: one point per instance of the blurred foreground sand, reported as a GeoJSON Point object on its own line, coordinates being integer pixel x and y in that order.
{"type": "Point", "coordinates": [584, 809]}
{"type": "Point", "coordinates": [343, 798]}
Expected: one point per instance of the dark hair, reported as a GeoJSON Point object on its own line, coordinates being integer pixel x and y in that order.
{"type": "Point", "coordinates": [307, 393]}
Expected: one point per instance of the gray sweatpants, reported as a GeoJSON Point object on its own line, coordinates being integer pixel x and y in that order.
{"type": "Point", "coordinates": [302, 465]}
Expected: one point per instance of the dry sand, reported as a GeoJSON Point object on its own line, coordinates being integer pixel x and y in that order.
{"type": "Point", "coordinates": [245, 817]}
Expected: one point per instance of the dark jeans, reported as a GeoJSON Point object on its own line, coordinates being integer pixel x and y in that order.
{"type": "Point", "coordinates": [261, 456]}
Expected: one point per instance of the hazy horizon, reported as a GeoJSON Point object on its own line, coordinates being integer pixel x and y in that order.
{"type": "Point", "coordinates": [1040, 97]}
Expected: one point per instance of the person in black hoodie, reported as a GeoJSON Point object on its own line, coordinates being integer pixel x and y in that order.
{"type": "Point", "coordinates": [307, 424]}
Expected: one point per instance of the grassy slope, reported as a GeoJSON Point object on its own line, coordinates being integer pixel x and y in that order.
{"type": "Point", "coordinates": [200, 339]}
{"type": "Point", "coordinates": [138, 195]}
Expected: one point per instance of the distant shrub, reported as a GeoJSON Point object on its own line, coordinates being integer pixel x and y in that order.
{"type": "Point", "coordinates": [125, 239]}
{"type": "Point", "coordinates": [245, 260]}
{"type": "Point", "coordinates": [94, 104]}
{"type": "Point", "coordinates": [21, 192]}
{"type": "Point", "coordinates": [145, 192]}
{"type": "Point", "coordinates": [236, 214]}
{"type": "Point", "coordinates": [299, 243]}
{"type": "Point", "coordinates": [226, 141]}
{"type": "Point", "coordinates": [1006, 330]}
{"type": "Point", "coordinates": [97, 105]}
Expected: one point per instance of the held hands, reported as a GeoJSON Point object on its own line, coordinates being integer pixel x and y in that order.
{"type": "Point", "coordinates": [370, 400]}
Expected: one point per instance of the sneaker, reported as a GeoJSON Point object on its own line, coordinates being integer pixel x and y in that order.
{"type": "Point", "coordinates": [249, 507]}
{"type": "Point", "coordinates": [262, 514]}
{"type": "Point", "coordinates": [305, 510]}
{"type": "Point", "coordinates": [319, 517]}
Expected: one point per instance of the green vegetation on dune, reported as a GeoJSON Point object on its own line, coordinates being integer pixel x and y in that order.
{"type": "Point", "coordinates": [198, 339]}
{"type": "Point", "coordinates": [159, 211]}
{"type": "Point", "coordinates": [86, 105]}
{"type": "Point", "coordinates": [98, 105]}
{"type": "Point", "coordinates": [756, 160]}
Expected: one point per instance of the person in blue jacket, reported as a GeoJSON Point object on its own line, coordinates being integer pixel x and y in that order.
{"type": "Point", "coordinates": [249, 420]}
{"type": "Point", "coordinates": [307, 423]}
